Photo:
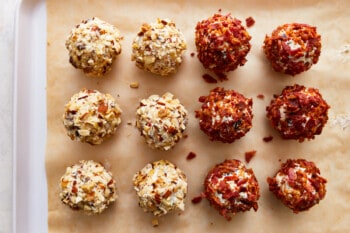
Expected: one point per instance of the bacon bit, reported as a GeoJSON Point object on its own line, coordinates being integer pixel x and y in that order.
{"type": "Point", "coordinates": [164, 22]}
{"type": "Point", "coordinates": [102, 107]}
{"type": "Point", "coordinates": [267, 139]}
{"type": "Point", "coordinates": [249, 155]}
{"type": "Point", "coordinates": [192, 54]}
{"type": "Point", "coordinates": [157, 198]}
{"type": "Point", "coordinates": [202, 99]}
{"type": "Point", "coordinates": [172, 130]}
{"type": "Point", "coordinates": [74, 189]}
{"type": "Point", "coordinates": [249, 21]}
{"type": "Point", "coordinates": [260, 96]}
{"type": "Point", "coordinates": [219, 10]}
{"type": "Point", "coordinates": [196, 200]}
{"type": "Point", "coordinates": [167, 194]}
{"type": "Point", "coordinates": [95, 28]}
{"type": "Point", "coordinates": [221, 76]}
{"type": "Point", "coordinates": [83, 97]}
{"type": "Point", "coordinates": [191, 155]}
{"type": "Point", "coordinates": [209, 79]}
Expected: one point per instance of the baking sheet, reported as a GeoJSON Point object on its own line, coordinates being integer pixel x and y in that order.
{"type": "Point", "coordinates": [125, 153]}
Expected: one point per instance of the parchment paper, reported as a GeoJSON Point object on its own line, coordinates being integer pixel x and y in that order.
{"type": "Point", "coordinates": [126, 152]}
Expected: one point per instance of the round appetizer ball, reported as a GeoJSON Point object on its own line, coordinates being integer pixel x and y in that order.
{"type": "Point", "coordinates": [161, 188]}
{"type": "Point", "coordinates": [230, 188]}
{"type": "Point", "coordinates": [222, 43]}
{"type": "Point", "coordinates": [298, 184]}
{"type": "Point", "coordinates": [159, 47]}
{"type": "Point", "coordinates": [93, 45]}
{"type": "Point", "coordinates": [161, 121]}
{"type": "Point", "coordinates": [298, 113]}
{"type": "Point", "coordinates": [91, 116]}
{"type": "Point", "coordinates": [293, 48]}
{"type": "Point", "coordinates": [88, 187]}
{"type": "Point", "coordinates": [225, 115]}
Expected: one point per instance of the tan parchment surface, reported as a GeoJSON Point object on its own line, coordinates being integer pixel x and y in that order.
{"type": "Point", "coordinates": [125, 153]}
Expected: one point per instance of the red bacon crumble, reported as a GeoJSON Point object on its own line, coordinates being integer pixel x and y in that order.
{"type": "Point", "coordinates": [249, 155]}
{"type": "Point", "coordinates": [192, 54]}
{"type": "Point", "coordinates": [268, 139]}
{"type": "Point", "coordinates": [260, 96]}
{"type": "Point", "coordinates": [221, 76]}
{"type": "Point", "coordinates": [191, 155]}
{"type": "Point", "coordinates": [196, 200]}
{"type": "Point", "coordinates": [209, 79]}
{"type": "Point", "coordinates": [249, 21]}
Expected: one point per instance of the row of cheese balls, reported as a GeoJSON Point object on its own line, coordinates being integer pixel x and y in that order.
{"type": "Point", "coordinates": [161, 187]}
{"type": "Point", "coordinates": [225, 115]}
{"type": "Point", "coordinates": [222, 44]}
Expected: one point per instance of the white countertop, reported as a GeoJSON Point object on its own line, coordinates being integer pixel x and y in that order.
{"type": "Point", "coordinates": [7, 22]}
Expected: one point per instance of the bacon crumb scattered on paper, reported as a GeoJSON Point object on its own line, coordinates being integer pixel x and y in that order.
{"type": "Point", "coordinates": [249, 21]}
{"type": "Point", "coordinates": [249, 155]}
{"type": "Point", "coordinates": [268, 139]}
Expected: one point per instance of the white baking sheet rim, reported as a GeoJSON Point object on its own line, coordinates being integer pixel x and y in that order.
{"type": "Point", "coordinates": [29, 131]}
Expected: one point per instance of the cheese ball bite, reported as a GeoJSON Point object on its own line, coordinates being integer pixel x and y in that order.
{"type": "Point", "coordinates": [161, 188]}
{"type": "Point", "coordinates": [230, 188]}
{"type": "Point", "coordinates": [93, 45]}
{"type": "Point", "coordinates": [222, 43]}
{"type": "Point", "coordinates": [225, 115]}
{"type": "Point", "coordinates": [87, 187]}
{"type": "Point", "coordinates": [293, 48]}
{"type": "Point", "coordinates": [161, 121]}
{"type": "Point", "coordinates": [298, 184]}
{"type": "Point", "coordinates": [159, 47]}
{"type": "Point", "coordinates": [298, 113]}
{"type": "Point", "coordinates": [91, 116]}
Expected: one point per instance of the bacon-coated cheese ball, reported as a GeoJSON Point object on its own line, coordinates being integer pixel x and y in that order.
{"type": "Point", "coordinates": [298, 184]}
{"type": "Point", "coordinates": [222, 43]}
{"type": "Point", "coordinates": [298, 113]}
{"type": "Point", "coordinates": [293, 48]}
{"type": "Point", "coordinates": [93, 45]}
{"type": "Point", "coordinates": [225, 115]}
{"type": "Point", "coordinates": [230, 188]}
